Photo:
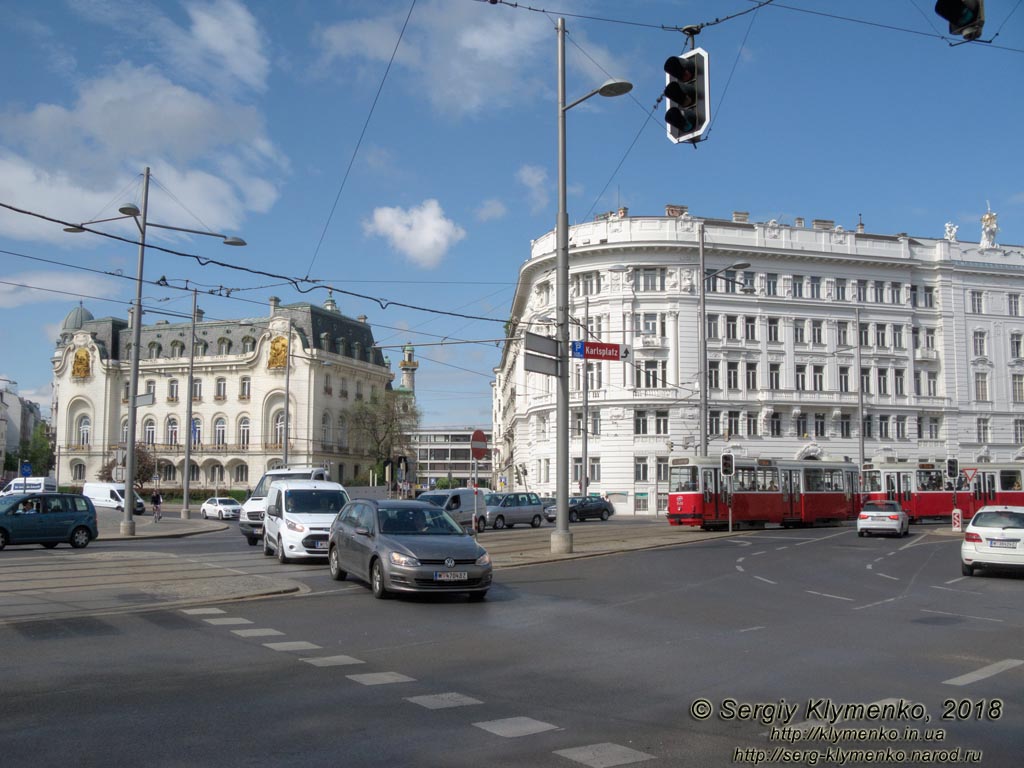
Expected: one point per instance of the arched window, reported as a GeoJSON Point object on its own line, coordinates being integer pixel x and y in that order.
{"type": "Point", "coordinates": [78, 471]}
{"type": "Point", "coordinates": [149, 432]}
{"type": "Point", "coordinates": [193, 474]}
{"type": "Point", "coordinates": [220, 389]}
{"type": "Point", "coordinates": [279, 428]}
{"type": "Point", "coordinates": [172, 390]}
{"type": "Point", "coordinates": [154, 351]}
{"type": "Point", "coordinates": [168, 473]}
{"type": "Point", "coordinates": [84, 430]}
{"type": "Point", "coordinates": [197, 432]}
{"type": "Point", "coordinates": [217, 473]}
{"type": "Point", "coordinates": [172, 431]}
{"type": "Point", "coordinates": [124, 431]}
{"type": "Point", "coordinates": [220, 432]}
{"type": "Point", "coordinates": [244, 388]}
{"type": "Point", "coordinates": [242, 473]}
{"type": "Point", "coordinates": [177, 349]}
{"type": "Point", "coordinates": [325, 429]}
{"type": "Point", "coordinates": [342, 432]}
{"type": "Point", "coordinates": [224, 346]}
{"type": "Point", "coordinates": [248, 344]}
{"type": "Point", "coordinates": [243, 431]}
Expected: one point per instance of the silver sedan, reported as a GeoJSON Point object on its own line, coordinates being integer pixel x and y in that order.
{"type": "Point", "coordinates": [883, 517]}
{"type": "Point", "coordinates": [406, 546]}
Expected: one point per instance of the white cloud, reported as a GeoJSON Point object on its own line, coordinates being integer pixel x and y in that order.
{"type": "Point", "coordinates": [423, 234]}
{"type": "Point", "coordinates": [535, 179]}
{"type": "Point", "coordinates": [490, 210]}
{"type": "Point", "coordinates": [23, 288]}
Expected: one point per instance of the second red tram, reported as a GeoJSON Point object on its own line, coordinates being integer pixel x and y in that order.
{"type": "Point", "coordinates": [797, 492]}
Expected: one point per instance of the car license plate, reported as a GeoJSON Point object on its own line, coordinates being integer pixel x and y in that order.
{"type": "Point", "coordinates": [451, 576]}
{"type": "Point", "coordinates": [321, 545]}
{"type": "Point", "coordinates": [257, 530]}
{"type": "Point", "coordinates": [997, 544]}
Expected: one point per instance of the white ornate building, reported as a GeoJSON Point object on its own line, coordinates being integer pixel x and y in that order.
{"type": "Point", "coordinates": [244, 370]}
{"type": "Point", "coordinates": [937, 327]}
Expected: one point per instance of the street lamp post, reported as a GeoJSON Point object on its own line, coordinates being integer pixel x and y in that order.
{"type": "Point", "coordinates": [561, 538]}
{"type": "Point", "coordinates": [186, 513]}
{"type": "Point", "coordinates": [131, 211]}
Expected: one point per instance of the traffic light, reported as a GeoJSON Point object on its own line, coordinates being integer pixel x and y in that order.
{"type": "Point", "coordinates": [952, 468]}
{"type": "Point", "coordinates": [687, 96]}
{"type": "Point", "coordinates": [728, 465]}
{"type": "Point", "coordinates": [965, 17]}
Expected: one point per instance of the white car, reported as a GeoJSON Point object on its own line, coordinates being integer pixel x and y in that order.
{"type": "Point", "coordinates": [994, 537]}
{"type": "Point", "coordinates": [883, 517]}
{"type": "Point", "coordinates": [220, 507]}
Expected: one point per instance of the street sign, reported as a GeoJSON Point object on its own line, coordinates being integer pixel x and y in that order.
{"type": "Point", "coordinates": [145, 398]}
{"type": "Point", "coordinates": [26, 469]}
{"type": "Point", "coordinates": [538, 364]}
{"type": "Point", "coordinates": [478, 445]}
{"type": "Point", "coordinates": [544, 345]}
{"type": "Point", "coordinates": [598, 350]}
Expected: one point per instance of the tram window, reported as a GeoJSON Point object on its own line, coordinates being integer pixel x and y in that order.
{"type": "Point", "coordinates": [683, 479]}
{"type": "Point", "coordinates": [872, 481]}
{"type": "Point", "coordinates": [823, 480]}
{"type": "Point", "coordinates": [1009, 479]}
{"type": "Point", "coordinates": [813, 480]}
{"type": "Point", "coordinates": [929, 480]}
{"type": "Point", "coordinates": [767, 480]}
{"type": "Point", "coordinates": [746, 479]}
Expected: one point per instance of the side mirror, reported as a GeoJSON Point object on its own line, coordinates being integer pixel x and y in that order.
{"type": "Point", "coordinates": [363, 531]}
{"type": "Point", "coordinates": [273, 510]}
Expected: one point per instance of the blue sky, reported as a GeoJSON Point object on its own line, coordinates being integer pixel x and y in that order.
{"type": "Point", "coordinates": [274, 121]}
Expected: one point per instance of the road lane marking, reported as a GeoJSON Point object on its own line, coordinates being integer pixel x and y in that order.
{"type": "Point", "coordinates": [962, 615]}
{"type": "Point", "coordinates": [880, 602]}
{"type": "Point", "coordinates": [825, 594]}
{"type": "Point", "coordinates": [823, 538]}
{"type": "Point", "coordinates": [294, 645]}
{"type": "Point", "coordinates": [887, 576]}
{"type": "Point", "coordinates": [380, 678]}
{"type": "Point", "coordinates": [604, 755]}
{"type": "Point", "coordinates": [950, 589]}
{"type": "Point", "coordinates": [769, 581]}
{"type": "Point", "coordinates": [751, 629]}
{"type": "Point", "coordinates": [981, 674]}
{"type": "Point", "coordinates": [777, 549]}
{"type": "Point", "coordinates": [444, 700]}
{"type": "Point", "coordinates": [256, 632]}
{"type": "Point", "coordinates": [740, 568]}
{"type": "Point", "coordinates": [514, 727]}
{"type": "Point", "coordinates": [333, 661]}
{"type": "Point", "coordinates": [201, 611]}
{"type": "Point", "coordinates": [759, 553]}
{"type": "Point", "coordinates": [227, 621]}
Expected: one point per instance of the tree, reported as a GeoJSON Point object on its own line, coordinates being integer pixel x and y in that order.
{"type": "Point", "coordinates": [38, 451]}
{"type": "Point", "coordinates": [145, 467]}
{"type": "Point", "coordinates": [385, 425]}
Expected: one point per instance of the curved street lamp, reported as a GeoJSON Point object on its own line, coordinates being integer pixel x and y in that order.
{"type": "Point", "coordinates": [131, 211]}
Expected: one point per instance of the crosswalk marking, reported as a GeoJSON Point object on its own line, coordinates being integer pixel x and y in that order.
{"type": "Point", "coordinates": [294, 645]}
{"type": "Point", "coordinates": [333, 661]}
{"type": "Point", "coordinates": [381, 678]}
{"type": "Point", "coordinates": [604, 755]}
{"type": "Point", "coordinates": [981, 674]}
{"type": "Point", "coordinates": [256, 632]}
{"type": "Point", "coordinates": [444, 700]}
{"type": "Point", "coordinates": [514, 727]}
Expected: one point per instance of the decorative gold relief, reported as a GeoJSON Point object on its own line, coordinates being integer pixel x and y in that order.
{"type": "Point", "coordinates": [82, 366]}
{"type": "Point", "coordinates": [278, 353]}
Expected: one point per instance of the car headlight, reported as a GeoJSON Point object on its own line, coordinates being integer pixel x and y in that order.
{"type": "Point", "coordinates": [298, 527]}
{"type": "Point", "coordinates": [484, 559]}
{"type": "Point", "coordinates": [397, 558]}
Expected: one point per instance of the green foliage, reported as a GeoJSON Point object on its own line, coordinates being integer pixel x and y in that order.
{"type": "Point", "coordinates": [443, 484]}
{"type": "Point", "coordinates": [145, 467]}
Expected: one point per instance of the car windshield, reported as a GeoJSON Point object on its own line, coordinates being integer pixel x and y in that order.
{"type": "Point", "coordinates": [315, 501]}
{"type": "Point", "coordinates": [10, 502]}
{"type": "Point", "coordinates": [493, 499]}
{"type": "Point", "coordinates": [998, 520]}
{"type": "Point", "coordinates": [226, 502]}
{"type": "Point", "coordinates": [417, 521]}
{"type": "Point", "coordinates": [437, 499]}
{"type": "Point", "coordinates": [884, 506]}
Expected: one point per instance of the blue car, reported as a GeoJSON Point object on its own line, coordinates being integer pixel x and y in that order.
{"type": "Point", "coordinates": [48, 519]}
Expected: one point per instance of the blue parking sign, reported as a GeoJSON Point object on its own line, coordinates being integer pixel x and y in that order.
{"type": "Point", "coordinates": [576, 349]}
{"type": "Point", "coordinates": [26, 469]}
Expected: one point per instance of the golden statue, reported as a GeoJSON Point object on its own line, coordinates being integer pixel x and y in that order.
{"type": "Point", "coordinates": [81, 367]}
{"type": "Point", "coordinates": [278, 353]}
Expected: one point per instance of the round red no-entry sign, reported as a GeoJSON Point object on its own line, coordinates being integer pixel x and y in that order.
{"type": "Point", "coordinates": [478, 445]}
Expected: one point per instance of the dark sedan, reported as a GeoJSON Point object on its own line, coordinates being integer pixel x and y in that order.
{"type": "Point", "coordinates": [583, 508]}
{"type": "Point", "coordinates": [406, 546]}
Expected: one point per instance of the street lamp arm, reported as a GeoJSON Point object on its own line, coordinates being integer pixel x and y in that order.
{"type": "Point", "coordinates": [227, 240]}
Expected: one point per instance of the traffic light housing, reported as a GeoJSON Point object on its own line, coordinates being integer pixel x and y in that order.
{"type": "Point", "coordinates": [687, 96]}
{"type": "Point", "coordinates": [728, 465]}
{"type": "Point", "coordinates": [952, 468]}
{"type": "Point", "coordinates": [965, 17]}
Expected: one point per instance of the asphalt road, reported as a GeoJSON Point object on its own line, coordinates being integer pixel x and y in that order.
{"type": "Point", "coordinates": [601, 661]}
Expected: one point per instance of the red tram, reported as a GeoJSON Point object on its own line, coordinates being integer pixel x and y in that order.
{"type": "Point", "coordinates": [791, 493]}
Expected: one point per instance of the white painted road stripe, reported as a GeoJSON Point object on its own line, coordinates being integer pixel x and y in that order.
{"type": "Point", "coordinates": [380, 678]}
{"type": "Point", "coordinates": [256, 632]}
{"type": "Point", "coordinates": [604, 755]}
{"type": "Point", "coordinates": [872, 605]}
{"type": "Point", "coordinates": [201, 611]}
{"type": "Point", "coordinates": [962, 615]}
{"type": "Point", "coordinates": [824, 594]}
{"type": "Point", "coordinates": [887, 576]}
{"type": "Point", "coordinates": [981, 674]}
{"type": "Point", "coordinates": [751, 629]}
{"type": "Point", "coordinates": [295, 645]}
{"type": "Point", "coordinates": [333, 661]}
{"type": "Point", "coordinates": [513, 727]}
{"type": "Point", "coordinates": [768, 581]}
{"type": "Point", "coordinates": [227, 621]}
{"type": "Point", "coordinates": [444, 700]}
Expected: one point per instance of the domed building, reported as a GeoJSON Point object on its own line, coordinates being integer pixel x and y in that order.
{"type": "Point", "coordinates": [309, 362]}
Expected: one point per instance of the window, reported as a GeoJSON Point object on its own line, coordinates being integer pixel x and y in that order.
{"type": "Point", "coordinates": [900, 381]}
{"type": "Point", "coordinates": [172, 390]}
{"type": "Point", "coordinates": [662, 470]}
{"type": "Point", "coordinates": [843, 333]}
{"type": "Point", "coordinates": [224, 346]}
{"type": "Point", "coordinates": [661, 422]}
{"type": "Point", "coordinates": [929, 338]}
{"type": "Point", "coordinates": [655, 373]}
{"type": "Point", "coordinates": [980, 385]}
{"type": "Point", "coordinates": [901, 427]}
{"type": "Point", "coordinates": [840, 289]}
{"type": "Point", "coordinates": [577, 470]}
{"type": "Point", "coordinates": [244, 432]}
{"type": "Point", "coordinates": [193, 473]}
{"type": "Point", "coordinates": [883, 381]}
{"type": "Point", "coordinates": [773, 329]}
{"type": "Point", "coordinates": [844, 425]}
{"type": "Point", "coordinates": [1018, 388]}
{"type": "Point", "coordinates": [771, 284]}
{"type": "Point", "coordinates": [732, 375]}
{"type": "Point", "coordinates": [279, 428]}
{"type": "Point", "coordinates": [1018, 431]}
{"type": "Point", "coordinates": [242, 473]}
{"type": "Point", "coordinates": [815, 287]}
{"type": "Point", "coordinates": [220, 389]}
{"type": "Point", "coordinates": [197, 432]}
{"type": "Point", "coordinates": [168, 473]}
{"type": "Point", "coordinates": [818, 378]}
{"type": "Point", "coordinates": [866, 429]}
{"type": "Point", "coordinates": [819, 425]}
{"type": "Point", "coordinates": [897, 336]}
{"type": "Point", "coordinates": [248, 345]}
{"type": "Point", "coordinates": [798, 286]}
{"type": "Point", "coordinates": [934, 428]}
{"type": "Point", "coordinates": [751, 423]}
{"type": "Point", "coordinates": [649, 323]}
{"type": "Point", "coordinates": [933, 384]}
{"type": "Point", "coordinates": [595, 422]}
{"type": "Point", "coordinates": [879, 291]}
{"type": "Point", "coordinates": [817, 334]}
{"type": "Point", "coordinates": [594, 378]}
{"type": "Point", "coordinates": [774, 376]}
{"type": "Point", "coordinates": [731, 327]}
{"type": "Point", "coordinates": [775, 425]}
{"type": "Point", "coordinates": [154, 351]}
{"type": "Point", "coordinates": [913, 295]}
{"type": "Point", "coordinates": [1015, 344]}
{"type": "Point", "coordinates": [245, 388]}
{"type": "Point", "coordinates": [640, 423]}
{"type": "Point", "coordinates": [801, 425]}
{"type": "Point", "coordinates": [733, 422]}
{"type": "Point", "coordinates": [713, 379]}
{"type": "Point", "coordinates": [220, 432]}
{"type": "Point", "coordinates": [977, 303]}
{"type": "Point", "coordinates": [151, 388]}
{"type": "Point", "coordinates": [1013, 304]}
{"type": "Point", "coordinates": [801, 377]}
{"type": "Point", "coordinates": [640, 469]}
{"type": "Point", "coordinates": [798, 331]}
{"type": "Point", "coordinates": [751, 375]}
{"type": "Point", "coordinates": [895, 293]}
{"type": "Point", "coordinates": [342, 432]}
{"type": "Point", "coordinates": [711, 327]}
{"type": "Point", "coordinates": [730, 280]}
{"type": "Point", "coordinates": [714, 422]}
{"type": "Point", "coordinates": [177, 349]}
{"type": "Point", "coordinates": [172, 431]}
{"type": "Point", "coordinates": [750, 328]}
{"type": "Point", "coordinates": [197, 389]}
{"type": "Point", "coordinates": [590, 283]}
{"type": "Point", "coordinates": [984, 434]}
{"type": "Point", "coordinates": [862, 291]}
{"type": "Point", "coordinates": [84, 430]}
{"type": "Point", "coordinates": [865, 380]}
{"type": "Point", "coordinates": [865, 334]}
{"type": "Point", "coordinates": [979, 343]}
{"type": "Point", "coordinates": [880, 335]}
{"type": "Point", "coordinates": [149, 432]}
{"type": "Point", "coordinates": [78, 471]}
{"type": "Point", "coordinates": [651, 280]}
{"type": "Point", "coordinates": [928, 300]}
{"type": "Point", "coordinates": [844, 378]}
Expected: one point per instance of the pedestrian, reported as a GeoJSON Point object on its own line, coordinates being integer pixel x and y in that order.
{"type": "Point", "coordinates": [156, 500]}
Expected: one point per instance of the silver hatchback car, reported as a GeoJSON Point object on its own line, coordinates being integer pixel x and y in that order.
{"type": "Point", "coordinates": [507, 509]}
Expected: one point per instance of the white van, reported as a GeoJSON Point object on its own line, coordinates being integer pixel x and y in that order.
{"type": "Point", "coordinates": [461, 503]}
{"type": "Point", "coordinates": [30, 485]}
{"type": "Point", "coordinates": [250, 521]}
{"type": "Point", "coordinates": [110, 496]}
{"type": "Point", "coordinates": [299, 516]}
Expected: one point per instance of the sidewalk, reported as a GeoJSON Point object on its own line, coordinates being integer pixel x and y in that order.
{"type": "Point", "coordinates": [171, 525]}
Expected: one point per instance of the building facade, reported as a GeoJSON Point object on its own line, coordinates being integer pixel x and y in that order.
{"type": "Point", "coordinates": [818, 341]}
{"type": "Point", "coordinates": [445, 453]}
{"type": "Point", "coordinates": [266, 392]}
